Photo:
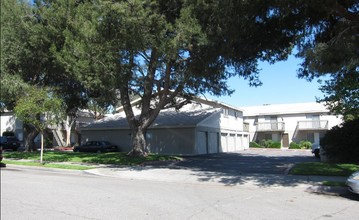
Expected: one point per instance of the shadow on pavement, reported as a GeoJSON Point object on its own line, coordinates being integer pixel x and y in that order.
{"type": "Point", "coordinates": [259, 167]}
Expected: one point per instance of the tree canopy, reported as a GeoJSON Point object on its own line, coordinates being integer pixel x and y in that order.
{"type": "Point", "coordinates": [330, 47]}
{"type": "Point", "coordinates": [161, 49]}
{"type": "Point", "coordinates": [105, 50]}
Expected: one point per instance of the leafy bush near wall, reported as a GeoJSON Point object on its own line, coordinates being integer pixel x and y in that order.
{"type": "Point", "coordinates": [254, 145]}
{"type": "Point", "coordinates": [294, 145]}
{"type": "Point", "coordinates": [265, 144]}
{"type": "Point", "coordinates": [305, 145]}
{"type": "Point", "coordinates": [341, 143]}
{"type": "Point", "coordinates": [274, 144]}
{"type": "Point", "coordinates": [301, 145]}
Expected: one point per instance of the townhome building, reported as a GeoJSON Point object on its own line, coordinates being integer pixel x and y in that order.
{"type": "Point", "coordinates": [200, 127]}
{"type": "Point", "coordinates": [286, 123]}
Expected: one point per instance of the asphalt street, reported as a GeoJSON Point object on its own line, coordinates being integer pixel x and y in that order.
{"type": "Point", "coordinates": [248, 185]}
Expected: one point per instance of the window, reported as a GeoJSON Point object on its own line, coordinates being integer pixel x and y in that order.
{"type": "Point", "coordinates": [225, 112]}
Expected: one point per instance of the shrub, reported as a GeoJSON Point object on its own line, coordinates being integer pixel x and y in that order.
{"type": "Point", "coordinates": [265, 143]}
{"type": "Point", "coordinates": [274, 144]}
{"type": "Point", "coordinates": [305, 145]}
{"type": "Point", "coordinates": [294, 145]}
{"type": "Point", "coordinates": [340, 143]}
{"type": "Point", "coordinates": [254, 145]}
{"type": "Point", "coordinates": [270, 144]}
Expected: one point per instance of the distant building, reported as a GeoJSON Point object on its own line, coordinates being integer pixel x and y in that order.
{"type": "Point", "coordinates": [55, 134]}
{"type": "Point", "coordinates": [287, 123]}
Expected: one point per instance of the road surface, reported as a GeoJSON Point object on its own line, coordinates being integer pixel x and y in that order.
{"type": "Point", "coordinates": [28, 193]}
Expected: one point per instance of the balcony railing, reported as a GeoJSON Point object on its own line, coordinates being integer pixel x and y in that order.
{"type": "Point", "coordinates": [270, 126]}
{"type": "Point", "coordinates": [313, 125]}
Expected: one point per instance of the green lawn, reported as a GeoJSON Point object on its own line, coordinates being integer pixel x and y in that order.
{"type": "Point", "coordinates": [324, 169]}
{"type": "Point", "coordinates": [116, 158]}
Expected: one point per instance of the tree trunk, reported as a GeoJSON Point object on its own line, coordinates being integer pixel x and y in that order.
{"type": "Point", "coordinates": [138, 143]}
{"type": "Point", "coordinates": [30, 135]}
{"type": "Point", "coordinates": [68, 125]}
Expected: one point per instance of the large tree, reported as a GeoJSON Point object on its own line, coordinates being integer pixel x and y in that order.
{"type": "Point", "coordinates": [30, 37]}
{"type": "Point", "coordinates": [330, 47]}
{"type": "Point", "coordinates": [159, 50]}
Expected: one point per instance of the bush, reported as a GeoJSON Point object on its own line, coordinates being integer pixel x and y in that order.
{"type": "Point", "coordinates": [274, 144]}
{"type": "Point", "coordinates": [254, 145]}
{"type": "Point", "coordinates": [294, 145]}
{"type": "Point", "coordinates": [305, 145]}
{"type": "Point", "coordinates": [265, 143]}
{"type": "Point", "coordinates": [340, 143]}
{"type": "Point", "coordinates": [270, 144]}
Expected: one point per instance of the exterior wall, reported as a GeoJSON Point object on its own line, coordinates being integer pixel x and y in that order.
{"type": "Point", "coordinates": [180, 141]}
{"type": "Point", "coordinates": [222, 132]}
{"type": "Point", "coordinates": [231, 119]}
{"type": "Point", "coordinates": [233, 137]}
{"type": "Point", "coordinates": [10, 123]}
{"type": "Point", "coordinates": [176, 141]}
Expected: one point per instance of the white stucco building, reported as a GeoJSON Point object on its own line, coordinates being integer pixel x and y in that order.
{"type": "Point", "coordinates": [288, 123]}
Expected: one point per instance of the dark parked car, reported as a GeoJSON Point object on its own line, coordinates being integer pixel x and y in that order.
{"type": "Point", "coordinates": [97, 147]}
{"type": "Point", "coordinates": [9, 143]}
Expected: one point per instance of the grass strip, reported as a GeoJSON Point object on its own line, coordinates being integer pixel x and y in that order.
{"type": "Point", "coordinates": [48, 165]}
{"type": "Point", "coordinates": [324, 169]}
{"type": "Point", "coordinates": [114, 158]}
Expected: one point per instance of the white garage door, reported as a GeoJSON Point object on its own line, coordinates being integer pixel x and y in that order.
{"type": "Point", "coordinates": [224, 146]}
{"type": "Point", "coordinates": [231, 143]}
{"type": "Point", "coordinates": [239, 142]}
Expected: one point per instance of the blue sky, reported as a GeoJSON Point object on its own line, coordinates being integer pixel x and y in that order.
{"type": "Point", "coordinates": [280, 86]}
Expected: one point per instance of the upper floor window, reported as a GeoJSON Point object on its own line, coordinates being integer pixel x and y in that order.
{"type": "Point", "coordinates": [225, 112]}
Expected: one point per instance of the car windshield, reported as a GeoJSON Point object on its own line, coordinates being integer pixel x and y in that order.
{"type": "Point", "coordinates": [105, 143]}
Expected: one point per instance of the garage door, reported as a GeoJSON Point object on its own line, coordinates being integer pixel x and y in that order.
{"type": "Point", "coordinates": [239, 142]}
{"type": "Point", "coordinates": [201, 142]}
{"type": "Point", "coordinates": [231, 143]}
{"type": "Point", "coordinates": [212, 142]}
{"type": "Point", "coordinates": [223, 147]}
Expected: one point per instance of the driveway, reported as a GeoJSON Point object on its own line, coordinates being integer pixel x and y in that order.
{"type": "Point", "coordinates": [252, 161]}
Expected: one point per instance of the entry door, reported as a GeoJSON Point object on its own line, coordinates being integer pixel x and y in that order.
{"type": "Point", "coordinates": [285, 140]}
